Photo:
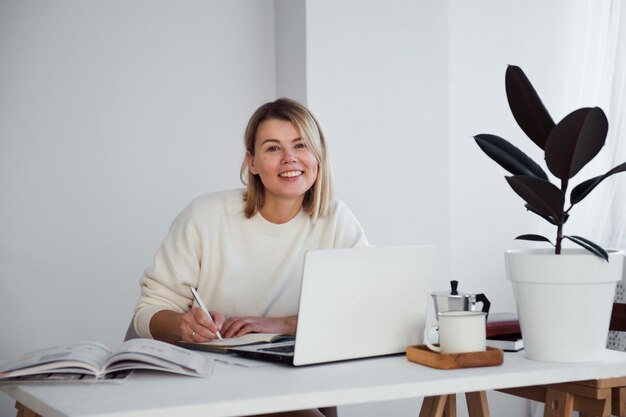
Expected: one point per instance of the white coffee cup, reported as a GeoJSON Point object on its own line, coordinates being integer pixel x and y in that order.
{"type": "Point", "coordinates": [459, 332]}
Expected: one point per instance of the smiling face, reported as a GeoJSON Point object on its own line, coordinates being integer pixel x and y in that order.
{"type": "Point", "coordinates": [283, 162]}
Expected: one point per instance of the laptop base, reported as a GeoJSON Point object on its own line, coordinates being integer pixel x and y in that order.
{"type": "Point", "coordinates": [274, 352]}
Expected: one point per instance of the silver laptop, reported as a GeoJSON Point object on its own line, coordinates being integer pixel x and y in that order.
{"type": "Point", "coordinates": [356, 303]}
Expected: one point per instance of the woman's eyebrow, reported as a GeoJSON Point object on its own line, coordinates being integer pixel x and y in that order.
{"type": "Point", "coordinates": [269, 140]}
{"type": "Point", "coordinates": [264, 141]}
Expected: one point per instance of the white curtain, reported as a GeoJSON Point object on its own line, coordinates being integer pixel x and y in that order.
{"type": "Point", "coordinates": [601, 217]}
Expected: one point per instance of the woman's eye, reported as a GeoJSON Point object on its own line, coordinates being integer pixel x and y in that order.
{"type": "Point", "coordinates": [300, 145]}
{"type": "Point", "coordinates": [272, 148]}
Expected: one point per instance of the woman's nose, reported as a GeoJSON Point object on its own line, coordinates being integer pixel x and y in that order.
{"type": "Point", "coordinates": [289, 156]}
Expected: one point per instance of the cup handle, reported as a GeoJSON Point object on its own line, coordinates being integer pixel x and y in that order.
{"type": "Point", "coordinates": [428, 344]}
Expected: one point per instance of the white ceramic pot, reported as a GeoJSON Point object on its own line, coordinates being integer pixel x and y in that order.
{"type": "Point", "coordinates": [564, 302]}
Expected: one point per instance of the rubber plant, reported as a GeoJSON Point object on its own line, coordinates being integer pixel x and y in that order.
{"type": "Point", "coordinates": [568, 146]}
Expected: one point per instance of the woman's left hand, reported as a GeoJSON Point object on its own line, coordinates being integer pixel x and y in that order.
{"type": "Point", "coordinates": [238, 326]}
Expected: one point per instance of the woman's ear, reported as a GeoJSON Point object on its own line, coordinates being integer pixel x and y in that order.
{"type": "Point", "coordinates": [250, 162]}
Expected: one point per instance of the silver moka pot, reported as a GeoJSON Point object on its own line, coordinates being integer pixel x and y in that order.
{"type": "Point", "coordinates": [455, 300]}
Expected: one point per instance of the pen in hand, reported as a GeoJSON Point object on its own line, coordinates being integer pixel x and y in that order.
{"type": "Point", "coordinates": [203, 307]}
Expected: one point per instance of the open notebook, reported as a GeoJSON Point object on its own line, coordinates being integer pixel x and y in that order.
{"type": "Point", "coordinates": [226, 344]}
{"type": "Point", "coordinates": [356, 303]}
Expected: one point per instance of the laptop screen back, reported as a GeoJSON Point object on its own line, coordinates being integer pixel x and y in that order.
{"type": "Point", "coordinates": [362, 302]}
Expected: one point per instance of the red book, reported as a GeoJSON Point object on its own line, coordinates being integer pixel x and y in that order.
{"type": "Point", "coordinates": [502, 323]}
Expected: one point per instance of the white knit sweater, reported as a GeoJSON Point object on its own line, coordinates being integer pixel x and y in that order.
{"type": "Point", "coordinates": [239, 266]}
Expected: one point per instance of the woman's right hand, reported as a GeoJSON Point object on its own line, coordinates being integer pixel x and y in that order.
{"type": "Point", "coordinates": [192, 326]}
{"type": "Point", "coordinates": [196, 326]}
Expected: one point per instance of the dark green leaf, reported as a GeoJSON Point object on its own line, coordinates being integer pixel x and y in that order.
{"type": "Point", "coordinates": [590, 246]}
{"type": "Point", "coordinates": [535, 238]}
{"type": "Point", "coordinates": [526, 106]}
{"type": "Point", "coordinates": [508, 156]}
{"type": "Point", "coordinates": [548, 218]}
{"type": "Point", "coordinates": [581, 190]}
{"type": "Point", "coordinates": [540, 194]}
{"type": "Point", "coordinates": [575, 141]}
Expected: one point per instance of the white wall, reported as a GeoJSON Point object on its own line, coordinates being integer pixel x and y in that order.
{"type": "Point", "coordinates": [380, 89]}
{"type": "Point", "coordinates": [291, 49]}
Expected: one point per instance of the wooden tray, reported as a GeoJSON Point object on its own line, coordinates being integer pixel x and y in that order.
{"type": "Point", "coordinates": [422, 355]}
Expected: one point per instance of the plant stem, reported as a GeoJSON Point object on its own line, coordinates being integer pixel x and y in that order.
{"type": "Point", "coordinates": [559, 228]}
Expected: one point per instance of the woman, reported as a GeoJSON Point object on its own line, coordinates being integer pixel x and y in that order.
{"type": "Point", "coordinates": [244, 249]}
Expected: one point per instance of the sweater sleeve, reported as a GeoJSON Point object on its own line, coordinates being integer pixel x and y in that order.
{"type": "Point", "coordinates": [349, 233]}
{"type": "Point", "coordinates": [176, 268]}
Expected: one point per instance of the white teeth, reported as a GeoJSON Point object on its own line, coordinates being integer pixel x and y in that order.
{"type": "Point", "coordinates": [291, 174]}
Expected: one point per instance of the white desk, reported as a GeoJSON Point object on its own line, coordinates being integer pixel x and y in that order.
{"type": "Point", "coordinates": [236, 390]}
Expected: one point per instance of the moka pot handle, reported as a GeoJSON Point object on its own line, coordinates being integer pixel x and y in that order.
{"type": "Point", "coordinates": [481, 298]}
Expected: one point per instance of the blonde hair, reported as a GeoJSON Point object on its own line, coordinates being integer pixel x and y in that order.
{"type": "Point", "coordinates": [317, 199]}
